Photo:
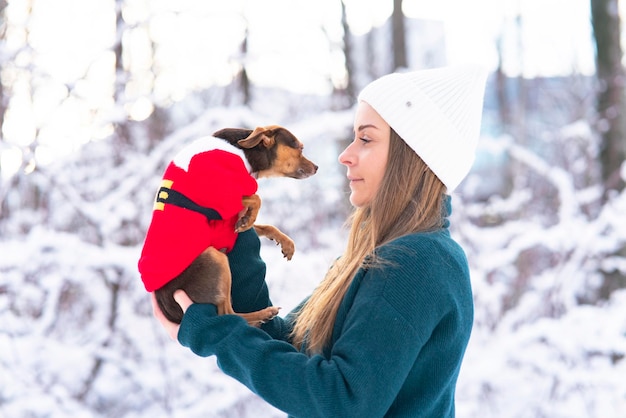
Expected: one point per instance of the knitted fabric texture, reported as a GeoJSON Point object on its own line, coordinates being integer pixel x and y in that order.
{"type": "Point", "coordinates": [213, 174]}
{"type": "Point", "coordinates": [437, 112]}
{"type": "Point", "coordinates": [397, 347]}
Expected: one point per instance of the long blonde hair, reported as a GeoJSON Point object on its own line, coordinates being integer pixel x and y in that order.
{"type": "Point", "coordinates": [409, 199]}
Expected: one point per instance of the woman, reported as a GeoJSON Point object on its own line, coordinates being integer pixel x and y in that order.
{"type": "Point", "coordinates": [385, 332]}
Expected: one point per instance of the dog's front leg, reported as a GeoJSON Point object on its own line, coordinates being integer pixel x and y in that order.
{"type": "Point", "coordinates": [247, 216]}
{"type": "Point", "coordinates": [257, 318]}
{"type": "Point", "coordinates": [287, 246]}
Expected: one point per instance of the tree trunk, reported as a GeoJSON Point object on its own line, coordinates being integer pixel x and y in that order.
{"type": "Point", "coordinates": [3, 105]}
{"type": "Point", "coordinates": [611, 117]}
{"type": "Point", "coordinates": [350, 90]}
{"type": "Point", "coordinates": [122, 135]}
{"type": "Point", "coordinates": [3, 99]}
{"type": "Point", "coordinates": [244, 81]}
{"type": "Point", "coordinates": [610, 99]}
{"type": "Point", "coordinates": [398, 36]}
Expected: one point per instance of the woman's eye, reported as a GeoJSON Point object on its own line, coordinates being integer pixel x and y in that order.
{"type": "Point", "coordinates": [365, 140]}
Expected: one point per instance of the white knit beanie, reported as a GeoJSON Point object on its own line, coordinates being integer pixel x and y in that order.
{"type": "Point", "coordinates": [437, 112]}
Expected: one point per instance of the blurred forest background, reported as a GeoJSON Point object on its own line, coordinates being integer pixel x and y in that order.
{"type": "Point", "coordinates": [97, 95]}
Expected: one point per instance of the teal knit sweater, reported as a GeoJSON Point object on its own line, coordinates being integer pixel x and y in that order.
{"type": "Point", "coordinates": [397, 345]}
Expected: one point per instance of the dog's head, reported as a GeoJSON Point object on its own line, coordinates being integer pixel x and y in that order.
{"type": "Point", "coordinates": [272, 151]}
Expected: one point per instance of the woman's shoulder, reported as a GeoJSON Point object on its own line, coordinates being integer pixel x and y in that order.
{"type": "Point", "coordinates": [426, 244]}
{"type": "Point", "coordinates": [424, 269]}
{"type": "Point", "coordinates": [424, 259]}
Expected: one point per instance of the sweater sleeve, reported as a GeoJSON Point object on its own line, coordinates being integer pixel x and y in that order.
{"type": "Point", "coordinates": [364, 370]}
{"type": "Point", "coordinates": [249, 291]}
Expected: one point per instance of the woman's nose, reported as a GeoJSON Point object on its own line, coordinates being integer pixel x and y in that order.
{"type": "Point", "coordinates": [346, 157]}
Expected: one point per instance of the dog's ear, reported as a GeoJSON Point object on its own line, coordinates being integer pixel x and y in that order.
{"type": "Point", "coordinates": [263, 135]}
{"type": "Point", "coordinates": [232, 134]}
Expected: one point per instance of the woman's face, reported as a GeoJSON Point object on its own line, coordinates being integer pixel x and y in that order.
{"type": "Point", "coordinates": [366, 156]}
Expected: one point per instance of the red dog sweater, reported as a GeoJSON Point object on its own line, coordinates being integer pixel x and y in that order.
{"type": "Point", "coordinates": [196, 207]}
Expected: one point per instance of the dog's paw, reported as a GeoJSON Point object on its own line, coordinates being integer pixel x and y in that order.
{"type": "Point", "coordinates": [287, 248]}
{"type": "Point", "coordinates": [247, 215]}
{"type": "Point", "coordinates": [243, 224]}
{"type": "Point", "coordinates": [264, 315]}
{"type": "Point", "coordinates": [272, 312]}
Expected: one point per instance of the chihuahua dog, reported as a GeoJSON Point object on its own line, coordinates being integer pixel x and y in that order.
{"type": "Point", "coordinates": [270, 151]}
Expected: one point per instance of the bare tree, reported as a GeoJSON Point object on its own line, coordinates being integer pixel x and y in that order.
{"type": "Point", "coordinates": [611, 112]}
{"type": "Point", "coordinates": [244, 81]}
{"type": "Point", "coordinates": [610, 98]}
{"type": "Point", "coordinates": [398, 34]}
{"type": "Point", "coordinates": [20, 192]}
{"type": "Point", "coordinates": [3, 99]}
{"type": "Point", "coordinates": [350, 90]}
{"type": "Point", "coordinates": [122, 135]}
{"type": "Point", "coordinates": [3, 96]}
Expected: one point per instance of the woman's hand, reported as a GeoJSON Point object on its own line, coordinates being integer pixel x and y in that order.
{"type": "Point", "coordinates": [172, 328]}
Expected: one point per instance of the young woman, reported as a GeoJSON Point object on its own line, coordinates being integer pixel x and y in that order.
{"type": "Point", "coordinates": [385, 332]}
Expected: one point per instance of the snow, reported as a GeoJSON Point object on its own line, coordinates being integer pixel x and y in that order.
{"type": "Point", "coordinates": [78, 335]}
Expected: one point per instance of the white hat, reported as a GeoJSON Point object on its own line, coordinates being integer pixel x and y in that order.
{"type": "Point", "coordinates": [437, 112]}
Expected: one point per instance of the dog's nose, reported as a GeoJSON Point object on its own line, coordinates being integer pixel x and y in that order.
{"type": "Point", "coordinates": [303, 173]}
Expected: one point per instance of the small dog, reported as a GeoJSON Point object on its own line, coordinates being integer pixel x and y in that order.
{"type": "Point", "coordinates": [270, 151]}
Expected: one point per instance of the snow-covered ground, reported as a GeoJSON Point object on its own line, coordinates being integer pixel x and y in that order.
{"type": "Point", "coordinates": [78, 339]}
